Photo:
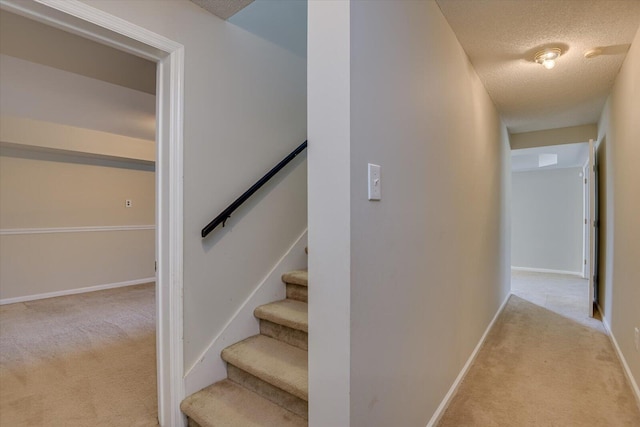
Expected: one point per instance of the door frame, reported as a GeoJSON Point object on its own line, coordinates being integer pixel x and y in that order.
{"type": "Point", "coordinates": [592, 225]}
{"type": "Point", "coordinates": [585, 215]}
{"type": "Point", "coordinates": [590, 231]}
{"type": "Point", "coordinates": [79, 18]}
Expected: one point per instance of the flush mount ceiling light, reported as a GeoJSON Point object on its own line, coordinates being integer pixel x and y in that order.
{"type": "Point", "coordinates": [547, 57]}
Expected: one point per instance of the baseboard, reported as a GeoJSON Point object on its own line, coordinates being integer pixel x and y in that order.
{"type": "Point", "coordinates": [625, 366]}
{"type": "Point", "coordinates": [76, 291]}
{"type": "Point", "coordinates": [546, 270]}
{"type": "Point", "coordinates": [437, 415]}
{"type": "Point", "coordinates": [210, 368]}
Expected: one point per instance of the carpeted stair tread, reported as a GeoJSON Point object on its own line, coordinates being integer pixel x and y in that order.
{"type": "Point", "coordinates": [227, 404]}
{"type": "Point", "coordinates": [296, 277]}
{"type": "Point", "coordinates": [272, 361]}
{"type": "Point", "coordinates": [288, 312]}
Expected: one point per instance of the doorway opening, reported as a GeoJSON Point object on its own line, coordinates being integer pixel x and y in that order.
{"type": "Point", "coordinates": [84, 20]}
{"type": "Point", "coordinates": [77, 184]}
{"type": "Point", "coordinates": [551, 239]}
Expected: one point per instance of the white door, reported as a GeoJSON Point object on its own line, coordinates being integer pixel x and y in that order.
{"type": "Point", "coordinates": [592, 225]}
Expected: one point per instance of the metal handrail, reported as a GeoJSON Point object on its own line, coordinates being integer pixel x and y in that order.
{"type": "Point", "coordinates": [225, 214]}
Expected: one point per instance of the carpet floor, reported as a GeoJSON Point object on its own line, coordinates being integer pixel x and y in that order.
{"type": "Point", "coordinates": [545, 363]}
{"type": "Point", "coordinates": [80, 360]}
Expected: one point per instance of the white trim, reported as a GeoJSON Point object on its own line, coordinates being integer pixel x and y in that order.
{"type": "Point", "coordinates": [209, 367]}
{"type": "Point", "coordinates": [546, 270]}
{"type": "Point", "coordinates": [585, 217]}
{"type": "Point", "coordinates": [437, 415]}
{"type": "Point", "coordinates": [76, 291]}
{"type": "Point", "coordinates": [592, 227]}
{"type": "Point", "coordinates": [82, 19]}
{"type": "Point", "coordinates": [174, 238]}
{"type": "Point", "coordinates": [15, 231]}
{"type": "Point", "coordinates": [627, 370]}
{"type": "Point", "coordinates": [171, 244]}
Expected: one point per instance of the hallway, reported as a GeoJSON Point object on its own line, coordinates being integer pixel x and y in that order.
{"type": "Point", "coordinates": [545, 362]}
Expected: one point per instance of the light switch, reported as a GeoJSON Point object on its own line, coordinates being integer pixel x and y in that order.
{"type": "Point", "coordinates": [374, 182]}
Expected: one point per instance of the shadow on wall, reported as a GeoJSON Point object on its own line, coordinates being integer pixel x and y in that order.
{"type": "Point", "coordinates": [282, 22]}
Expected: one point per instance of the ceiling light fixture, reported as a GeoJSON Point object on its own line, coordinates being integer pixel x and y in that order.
{"type": "Point", "coordinates": [547, 58]}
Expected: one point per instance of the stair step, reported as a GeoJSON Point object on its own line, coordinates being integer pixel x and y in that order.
{"type": "Point", "coordinates": [290, 313]}
{"type": "Point", "coordinates": [286, 321]}
{"type": "Point", "coordinates": [279, 364]}
{"type": "Point", "coordinates": [287, 335]}
{"type": "Point", "coordinates": [297, 292]}
{"type": "Point", "coordinates": [297, 281]}
{"type": "Point", "coordinates": [296, 277]}
{"type": "Point", "coordinates": [272, 393]}
{"type": "Point", "coordinates": [226, 404]}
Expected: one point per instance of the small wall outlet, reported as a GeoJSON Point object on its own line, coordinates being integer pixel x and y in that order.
{"type": "Point", "coordinates": [637, 338]}
{"type": "Point", "coordinates": [127, 203]}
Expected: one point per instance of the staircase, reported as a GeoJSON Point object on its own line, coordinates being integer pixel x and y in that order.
{"type": "Point", "coordinates": [267, 377]}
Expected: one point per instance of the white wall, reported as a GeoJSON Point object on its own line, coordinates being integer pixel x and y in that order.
{"type": "Point", "coordinates": [329, 109]}
{"type": "Point", "coordinates": [37, 42]}
{"type": "Point", "coordinates": [428, 264]}
{"type": "Point", "coordinates": [281, 21]}
{"type": "Point", "coordinates": [244, 110]}
{"type": "Point", "coordinates": [53, 137]}
{"type": "Point", "coordinates": [620, 126]}
{"type": "Point", "coordinates": [558, 136]}
{"type": "Point", "coordinates": [46, 197]}
{"type": "Point", "coordinates": [63, 184]}
{"type": "Point", "coordinates": [547, 220]}
{"type": "Point", "coordinates": [43, 93]}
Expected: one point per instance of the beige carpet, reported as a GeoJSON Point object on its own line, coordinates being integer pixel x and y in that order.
{"type": "Point", "coordinates": [563, 294]}
{"type": "Point", "coordinates": [81, 360]}
{"type": "Point", "coordinates": [545, 363]}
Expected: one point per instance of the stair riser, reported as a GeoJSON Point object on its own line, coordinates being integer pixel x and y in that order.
{"type": "Point", "coordinates": [285, 334]}
{"type": "Point", "coordinates": [274, 394]}
{"type": "Point", "coordinates": [297, 292]}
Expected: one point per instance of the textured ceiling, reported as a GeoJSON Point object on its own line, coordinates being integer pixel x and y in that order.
{"type": "Point", "coordinates": [502, 36]}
